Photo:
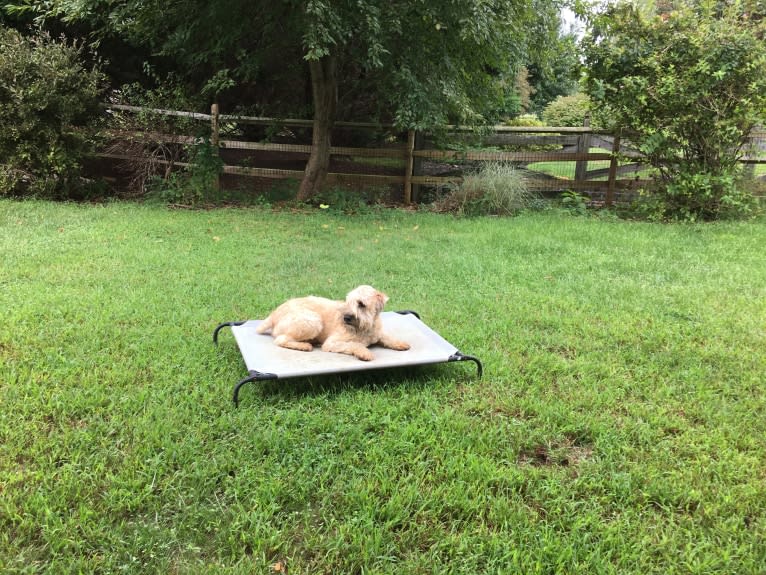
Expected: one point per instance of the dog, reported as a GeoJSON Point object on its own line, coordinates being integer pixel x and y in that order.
{"type": "Point", "coordinates": [348, 326]}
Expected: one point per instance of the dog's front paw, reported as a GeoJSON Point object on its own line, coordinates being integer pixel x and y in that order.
{"type": "Point", "coordinates": [364, 354]}
{"type": "Point", "coordinates": [395, 344]}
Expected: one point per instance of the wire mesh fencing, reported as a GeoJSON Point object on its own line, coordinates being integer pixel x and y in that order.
{"type": "Point", "coordinates": [267, 156]}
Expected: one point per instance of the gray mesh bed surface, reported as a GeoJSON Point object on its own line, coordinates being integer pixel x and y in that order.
{"type": "Point", "coordinates": [265, 360]}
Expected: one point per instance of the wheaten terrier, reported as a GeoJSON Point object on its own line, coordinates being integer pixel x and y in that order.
{"type": "Point", "coordinates": [339, 326]}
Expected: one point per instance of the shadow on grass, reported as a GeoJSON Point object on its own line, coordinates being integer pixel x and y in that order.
{"type": "Point", "coordinates": [409, 378]}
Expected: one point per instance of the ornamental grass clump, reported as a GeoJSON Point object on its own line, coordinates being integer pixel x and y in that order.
{"type": "Point", "coordinates": [496, 188]}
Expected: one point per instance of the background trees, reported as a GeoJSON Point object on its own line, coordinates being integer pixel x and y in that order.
{"type": "Point", "coordinates": [557, 73]}
{"type": "Point", "coordinates": [417, 63]}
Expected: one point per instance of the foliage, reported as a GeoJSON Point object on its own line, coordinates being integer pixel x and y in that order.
{"type": "Point", "coordinates": [688, 86]}
{"type": "Point", "coordinates": [512, 98]}
{"type": "Point", "coordinates": [48, 110]}
{"type": "Point", "coordinates": [479, 46]}
{"type": "Point", "coordinates": [528, 121]}
{"type": "Point", "coordinates": [555, 71]}
{"type": "Point", "coordinates": [196, 183]}
{"type": "Point", "coordinates": [568, 111]}
{"type": "Point", "coordinates": [690, 194]}
{"type": "Point", "coordinates": [496, 188]}
{"type": "Point", "coordinates": [574, 202]}
{"type": "Point", "coordinates": [280, 192]}
{"type": "Point", "coordinates": [618, 428]}
{"type": "Point", "coordinates": [525, 120]}
{"type": "Point", "coordinates": [367, 44]}
{"type": "Point", "coordinates": [154, 142]}
{"type": "Point", "coordinates": [351, 200]}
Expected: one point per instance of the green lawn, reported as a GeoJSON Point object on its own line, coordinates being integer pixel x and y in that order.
{"type": "Point", "coordinates": [619, 427]}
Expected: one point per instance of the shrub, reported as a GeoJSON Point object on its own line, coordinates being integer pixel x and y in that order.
{"type": "Point", "coordinates": [197, 183]}
{"type": "Point", "coordinates": [525, 120]}
{"type": "Point", "coordinates": [567, 111]}
{"type": "Point", "coordinates": [48, 110]}
{"type": "Point", "coordinates": [574, 202]}
{"type": "Point", "coordinates": [155, 143]}
{"type": "Point", "coordinates": [352, 200]}
{"type": "Point", "coordinates": [694, 195]}
{"type": "Point", "coordinates": [497, 188]}
{"type": "Point", "coordinates": [688, 86]}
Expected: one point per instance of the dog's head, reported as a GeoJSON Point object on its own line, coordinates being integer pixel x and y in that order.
{"type": "Point", "coordinates": [364, 305]}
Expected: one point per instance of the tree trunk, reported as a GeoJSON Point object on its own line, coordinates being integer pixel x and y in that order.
{"type": "Point", "coordinates": [324, 90]}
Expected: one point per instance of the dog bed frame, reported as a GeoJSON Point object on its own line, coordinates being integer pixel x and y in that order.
{"type": "Point", "coordinates": [265, 360]}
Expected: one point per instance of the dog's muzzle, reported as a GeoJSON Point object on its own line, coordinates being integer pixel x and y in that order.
{"type": "Point", "coordinates": [349, 319]}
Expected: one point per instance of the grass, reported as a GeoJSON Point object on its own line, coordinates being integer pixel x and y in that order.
{"type": "Point", "coordinates": [618, 428]}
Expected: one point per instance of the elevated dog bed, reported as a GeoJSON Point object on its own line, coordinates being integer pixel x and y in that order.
{"type": "Point", "coordinates": [265, 360]}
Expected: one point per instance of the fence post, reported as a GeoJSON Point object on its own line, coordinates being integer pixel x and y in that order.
{"type": "Point", "coordinates": [751, 150]}
{"type": "Point", "coordinates": [215, 140]}
{"type": "Point", "coordinates": [612, 171]}
{"type": "Point", "coordinates": [583, 147]}
{"type": "Point", "coordinates": [417, 165]}
{"type": "Point", "coordinates": [410, 162]}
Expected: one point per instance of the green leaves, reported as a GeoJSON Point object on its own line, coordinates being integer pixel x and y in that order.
{"type": "Point", "coordinates": [424, 62]}
{"type": "Point", "coordinates": [688, 85]}
{"type": "Point", "coordinates": [48, 103]}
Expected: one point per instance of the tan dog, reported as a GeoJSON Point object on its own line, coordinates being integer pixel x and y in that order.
{"type": "Point", "coordinates": [339, 326]}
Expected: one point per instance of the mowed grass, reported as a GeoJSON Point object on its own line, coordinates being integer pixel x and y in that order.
{"type": "Point", "coordinates": [619, 426]}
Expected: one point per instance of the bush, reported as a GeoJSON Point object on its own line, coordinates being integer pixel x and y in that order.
{"type": "Point", "coordinates": [351, 200]}
{"type": "Point", "coordinates": [567, 111]}
{"type": "Point", "coordinates": [48, 110]}
{"type": "Point", "coordinates": [197, 183]}
{"type": "Point", "coordinates": [497, 188]}
{"type": "Point", "coordinates": [688, 86]}
{"type": "Point", "coordinates": [525, 120]}
{"type": "Point", "coordinates": [696, 195]}
{"type": "Point", "coordinates": [528, 121]}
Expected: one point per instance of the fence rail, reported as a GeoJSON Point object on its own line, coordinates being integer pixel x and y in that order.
{"type": "Point", "coordinates": [412, 160]}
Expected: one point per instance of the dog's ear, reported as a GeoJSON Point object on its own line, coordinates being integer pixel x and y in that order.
{"type": "Point", "coordinates": [382, 298]}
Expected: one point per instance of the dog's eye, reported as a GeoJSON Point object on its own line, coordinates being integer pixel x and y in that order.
{"type": "Point", "coordinates": [361, 304]}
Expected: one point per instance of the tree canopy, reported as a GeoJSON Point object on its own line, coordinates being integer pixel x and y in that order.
{"type": "Point", "coordinates": [418, 63]}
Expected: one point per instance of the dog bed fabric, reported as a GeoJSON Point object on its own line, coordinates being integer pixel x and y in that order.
{"type": "Point", "coordinates": [265, 360]}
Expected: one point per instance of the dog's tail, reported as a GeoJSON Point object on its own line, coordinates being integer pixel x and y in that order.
{"type": "Point", "coordinates": [265, 325]}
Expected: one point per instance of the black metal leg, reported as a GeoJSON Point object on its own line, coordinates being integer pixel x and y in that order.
{"type": "Point", "coordinates": [223, 325]}
{"type": "Point", "coordinates": [253, 376]}
{"type": "Point", "coordinates": [462, 357]}
{"type": "Point", "coordinates": [409, 312]}
{"type": "Point", "coordinates": [457, 356]}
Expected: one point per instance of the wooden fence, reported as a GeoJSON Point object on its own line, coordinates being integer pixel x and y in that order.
{"type": "Point", "coordinates": [412, 160]}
